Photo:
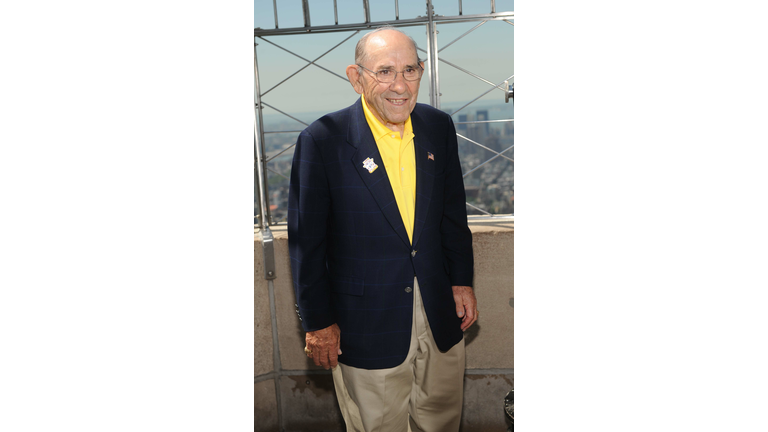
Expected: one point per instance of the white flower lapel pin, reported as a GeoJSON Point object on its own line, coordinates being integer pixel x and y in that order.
{"type": "Point", "coordinates": [370, 165]}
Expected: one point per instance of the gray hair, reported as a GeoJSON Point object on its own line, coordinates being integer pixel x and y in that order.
{"type": "Point", "coordinates": [361, 56]}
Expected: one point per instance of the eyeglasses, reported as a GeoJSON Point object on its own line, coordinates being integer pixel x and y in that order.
{"type": "Point", "coordinates": [388, 75]}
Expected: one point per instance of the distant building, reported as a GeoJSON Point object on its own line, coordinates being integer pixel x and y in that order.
{"type": "Point", "coordinates": [462, 128]}
{"type": "Point", "coordinates": [509, 128]}
{"type": "Point", "coordinates": [493, 142]}
{"type": "Point", "coordinates": [482, 115]}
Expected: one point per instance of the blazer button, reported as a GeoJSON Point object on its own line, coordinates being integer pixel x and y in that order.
{"type": "Point", "coordinates": [408, 289]}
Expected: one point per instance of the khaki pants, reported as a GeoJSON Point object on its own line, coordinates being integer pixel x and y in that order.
{"type": "Point", "coordinates": [424, 394]}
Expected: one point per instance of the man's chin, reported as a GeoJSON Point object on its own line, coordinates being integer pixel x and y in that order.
{"type": "Point", "coordinates": [398, 118]}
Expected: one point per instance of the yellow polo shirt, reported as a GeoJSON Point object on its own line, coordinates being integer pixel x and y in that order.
{"type": "Point", "coordinates": [400, 163]}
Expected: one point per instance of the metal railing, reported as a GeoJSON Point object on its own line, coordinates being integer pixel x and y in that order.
{"type": "Point", "coordinates": [433, 60]}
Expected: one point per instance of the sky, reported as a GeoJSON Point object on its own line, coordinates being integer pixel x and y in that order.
{"type": "Point", "coordinates": [487, 51]}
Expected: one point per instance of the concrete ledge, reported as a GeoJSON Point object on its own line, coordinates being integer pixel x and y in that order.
{"type": "Point", "coordinates": [307, 396]}
{"type": "Point", "coordinates": [490, 342]}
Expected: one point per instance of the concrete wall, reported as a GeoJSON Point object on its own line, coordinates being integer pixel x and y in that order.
{"type": "Point", "coordinates": [292, 394]}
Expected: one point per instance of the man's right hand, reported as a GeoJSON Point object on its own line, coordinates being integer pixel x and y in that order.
{"type": "Point", "coordinates": [325, 345]}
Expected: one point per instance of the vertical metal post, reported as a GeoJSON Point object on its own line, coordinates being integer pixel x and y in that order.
{"type": "Point", "coordinates": [493, 6]}
{"type": "Point", "coordinates": [267, 240]}
{"type": "Point", "coordinates": [274, 6]}
{"type": "Point", "coordinates": [460, 7]}
{"type": "Point", "coordinates": [434, 80]}
{"type": "Point", "coordinates": [305, 7]}
{"type": "Point", "coordinates": [260, 160]}
{"type": "Point", "coordinates": [397, 11]}
{"type": "Point", "coordinates": [367, 9]}
{"type": "Point", "coordinates": [276, 363]}
{"type": "Point", "coordinates": [335, 13]}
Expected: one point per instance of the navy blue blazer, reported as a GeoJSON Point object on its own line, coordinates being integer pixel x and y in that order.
{"type": "Point", "coordinates": [351, 260]}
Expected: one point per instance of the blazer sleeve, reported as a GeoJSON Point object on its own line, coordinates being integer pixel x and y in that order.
{"type": "Point", "coordinates": [455, 233]}
{"type": "Point", "coordinates": [308, 217]}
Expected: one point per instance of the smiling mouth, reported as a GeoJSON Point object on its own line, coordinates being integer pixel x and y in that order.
{"type": "Point", "coordinates": [397, 102]}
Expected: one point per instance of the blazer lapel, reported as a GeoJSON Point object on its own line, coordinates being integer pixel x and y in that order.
{"type": "Point", "coordinates": [359, 136]}
{"type": "Point", "coordinates": [425, 172]}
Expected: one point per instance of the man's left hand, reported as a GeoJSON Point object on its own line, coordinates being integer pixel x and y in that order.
{"type": "Point", "coordinates": [466, 305]}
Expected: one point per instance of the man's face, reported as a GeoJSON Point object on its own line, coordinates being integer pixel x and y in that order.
{"type": "Point", "coordinates": [393, 102]}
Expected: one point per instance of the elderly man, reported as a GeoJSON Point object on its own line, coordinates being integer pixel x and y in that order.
{"type": "Point", "coordinates": [381, 254]}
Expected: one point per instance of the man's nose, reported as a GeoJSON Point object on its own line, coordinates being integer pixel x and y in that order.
{"type": "Point", "coordinates": [398, 84]}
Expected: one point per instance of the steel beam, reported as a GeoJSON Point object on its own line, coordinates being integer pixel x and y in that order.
{"type": "Point", "coordinates": [305, 9]}
{"type": "Point", "coordinates": [310, 63]}
{"type": "Point", "coordinates": [499, 16]}
{"type": "Point", "coordinates": [283, 113]}
{"type": "Point", "coordinates": [335, 13]}
{"type": "Point", "coordinates": [367, 10]}
{"type": "Point", "coordinates": [489, 160]}
{"type": "Point", "coordinates": [493, 217]}
{"type": "Point", "coordinates": [470, 122]}
{"type": "Point", "coordinates": [484, 147]}
{"type": "Point", "coordinates": [283, 150]}
{"type": "Point", "coordinates": [479, 209]}
{"type": "Point", "coordinates": [466, 33]}
{"type": "Point", "coordinates": [274, 6]}
{"type": "Point", "coordinates": [474, 75]}
{"type": "Point", "coordinates": [260, 161]}
{"type": "Point", "coordinates": [434, 79]}
{"type": "Point", "coordinates": [485, 93]}
{"type": "Point", "coordinates": [278, 173]}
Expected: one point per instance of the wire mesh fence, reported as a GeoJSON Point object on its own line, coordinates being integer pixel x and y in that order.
{"type": "Point", "coordinates": [300, 54]}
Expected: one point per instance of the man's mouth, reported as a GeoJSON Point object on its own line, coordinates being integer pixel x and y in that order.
{"type": "Point", "coordinates": [397, 102]}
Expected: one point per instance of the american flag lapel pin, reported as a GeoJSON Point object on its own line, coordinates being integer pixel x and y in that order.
{"type": "Point", "coordinates": [430, 156]}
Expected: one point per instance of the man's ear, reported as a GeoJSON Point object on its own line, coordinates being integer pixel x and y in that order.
{"type": "Point", "coordinates": [354, 78]}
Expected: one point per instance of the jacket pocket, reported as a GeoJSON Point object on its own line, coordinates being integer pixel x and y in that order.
{"type": "Point", "coordinates": [347, 285]}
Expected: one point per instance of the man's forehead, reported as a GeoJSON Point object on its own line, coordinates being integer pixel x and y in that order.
{"type": "Point", "coordinates": [382, 46]}
{"type": "Point", "coordinates": [391, 65]}
{"type": "Point", "coordinates": [391, 58]}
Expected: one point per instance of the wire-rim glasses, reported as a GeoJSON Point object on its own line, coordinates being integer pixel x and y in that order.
{"type": "Point", "coordinates": [390, 75]}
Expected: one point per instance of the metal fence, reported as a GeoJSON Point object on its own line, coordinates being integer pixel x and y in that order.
{"type": "Point", "coordinates": [486, 145]}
